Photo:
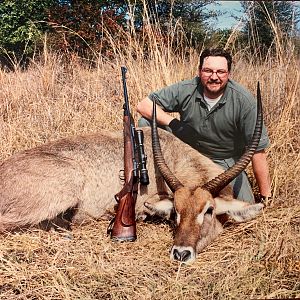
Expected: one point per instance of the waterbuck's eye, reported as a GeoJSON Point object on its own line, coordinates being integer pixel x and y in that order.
{"type": "Point", "coordinates": [210, 210]}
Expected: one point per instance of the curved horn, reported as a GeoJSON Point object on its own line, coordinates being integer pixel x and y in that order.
{"type": "Point", "coordinates": [215, 185]}
{"type": "Point", "coordinates": [173, 183]}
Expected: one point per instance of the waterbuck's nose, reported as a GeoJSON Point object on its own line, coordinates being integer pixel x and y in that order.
{"type": "Point", "coordinates": [183, 256]}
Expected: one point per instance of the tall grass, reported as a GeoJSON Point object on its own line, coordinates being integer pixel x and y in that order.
{"type": "Point", "coordinates": [54, 99]}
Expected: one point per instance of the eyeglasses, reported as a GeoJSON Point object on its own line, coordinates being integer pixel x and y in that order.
{"type": "Point", "coordinates": [210, 72]}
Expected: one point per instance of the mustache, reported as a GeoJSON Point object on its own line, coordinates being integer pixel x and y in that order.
{"type": "Point", "coordinates": [214, 81]}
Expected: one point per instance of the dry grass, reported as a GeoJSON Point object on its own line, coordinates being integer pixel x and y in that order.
{"type": "Point", "coordinates": [253, 260]}
{"type": "Point", "coordinates": [259, 259]}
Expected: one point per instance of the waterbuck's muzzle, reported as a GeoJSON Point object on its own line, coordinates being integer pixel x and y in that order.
{"type": "Point", "coordinates": [183, 254]}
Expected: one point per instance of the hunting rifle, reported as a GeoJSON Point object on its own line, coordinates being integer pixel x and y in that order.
{"type": "Point", "coordinates": [123, 226]}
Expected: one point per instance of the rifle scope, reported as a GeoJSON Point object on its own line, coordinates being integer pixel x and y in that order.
{"type": "Point", "coordinates": [144, 177]}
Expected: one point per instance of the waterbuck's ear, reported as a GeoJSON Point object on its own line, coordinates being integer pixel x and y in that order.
{"type": "Point", "coordinates": [239, 210]}
{"type": "Point", "coordinates": [162, 208]}
{"type": "Point", "coordinates": [247, 213]}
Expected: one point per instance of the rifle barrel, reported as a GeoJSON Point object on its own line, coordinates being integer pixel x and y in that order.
{"type": "Point", "coordinates": [126, 104]}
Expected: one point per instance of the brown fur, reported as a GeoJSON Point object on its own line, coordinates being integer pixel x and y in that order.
{"type": "Point", "coordinates": [188, 230]}
{"type": "Point", "coordinates": [82, 173]}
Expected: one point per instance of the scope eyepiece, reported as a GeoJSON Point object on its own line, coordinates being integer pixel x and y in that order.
{"type": "Point", "coordinates": [144, 177]}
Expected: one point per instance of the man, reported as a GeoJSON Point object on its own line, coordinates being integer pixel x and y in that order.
{"type": "Point", "coordinates": [217, 117]}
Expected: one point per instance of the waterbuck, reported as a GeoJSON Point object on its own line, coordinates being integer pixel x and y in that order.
{"type": "Point", "coordinates": [79, 176]}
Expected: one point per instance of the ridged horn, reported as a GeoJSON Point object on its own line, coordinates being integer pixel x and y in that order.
{"type": "Point", "coordinates": [215, 185]}
{"type": "Point", "coordinates": [173, 183]}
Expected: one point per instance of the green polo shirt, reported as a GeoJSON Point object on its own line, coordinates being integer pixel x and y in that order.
{"type": "Point", "coordinates": [226, 129]}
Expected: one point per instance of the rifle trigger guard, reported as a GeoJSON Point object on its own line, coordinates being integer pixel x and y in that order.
{"type": "Point", "coordinates": [122, 175]}
{"type": "Point", "coordinates": [117, 198]}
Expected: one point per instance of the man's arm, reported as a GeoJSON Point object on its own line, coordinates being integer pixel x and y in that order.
{"type": "Point", "coordinates": [180, 129]}
{"type": "Point", "coordinates": [261, 172]}
{"type": "Point", "coordinates": [145, 109]}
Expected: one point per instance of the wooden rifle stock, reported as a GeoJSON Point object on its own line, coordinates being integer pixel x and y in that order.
{"type": "Point", "coordinates": [124, 226]}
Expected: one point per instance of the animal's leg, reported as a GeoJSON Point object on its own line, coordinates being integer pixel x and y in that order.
{"type": "Point", "coordinates": [61, 221]}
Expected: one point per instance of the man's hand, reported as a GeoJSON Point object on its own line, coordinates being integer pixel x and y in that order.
{"type": "Point", "coordinates": [262, 199]}
{"type": "Point", "coordinates": [262, 176]}
{"type": "Point", "coordinates": [184, 132]}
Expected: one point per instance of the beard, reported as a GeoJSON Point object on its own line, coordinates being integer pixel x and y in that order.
{"type": "Point", "coordinates": [214, 87]}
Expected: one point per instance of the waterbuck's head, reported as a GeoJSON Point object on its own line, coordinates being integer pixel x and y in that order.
{"type": "Point", "coordinates": [196, 209]}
